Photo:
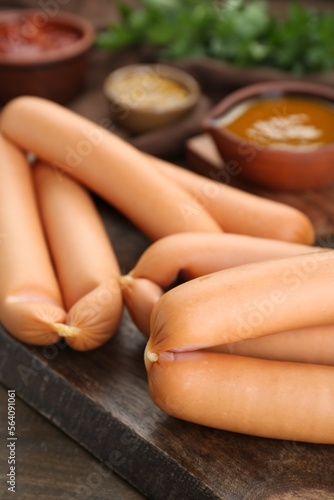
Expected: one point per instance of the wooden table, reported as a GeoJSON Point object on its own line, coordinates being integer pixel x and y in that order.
{"type": "Point", "coordinates": [101, 402]}
{"type": "Point", "coordinates": [50, 465]}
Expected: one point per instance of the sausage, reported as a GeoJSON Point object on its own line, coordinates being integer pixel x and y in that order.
{"type": "Point", "coordinates": [276, 399]}
{"type": "Point", "coordinates": [31, 305]}
{"type": "Point", "coordinates": [86, 265]}
{"type": "Point", "coordinates": [272, 399]}
{"type": "Point", "coordinates": [239, 212]}
{"type": "Point", "coordinates": [139, 296]}
{"type": "Point", "coordinates": [250, 301]}
{"type": "Point", "coordinates": [190, 255]}
{"type": "Point", "coordinates": [106, 164]}
{"type": "Point", "coordinates": [196, 254]}
{"type": "Point", "coordinates": [306, 345]}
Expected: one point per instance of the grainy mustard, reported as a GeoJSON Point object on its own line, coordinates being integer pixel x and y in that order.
{"type": "Point", "coordinates": [147, 90]}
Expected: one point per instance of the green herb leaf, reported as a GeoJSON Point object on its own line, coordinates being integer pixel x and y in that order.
{"type": "Point", "coordinates": [242, 32]}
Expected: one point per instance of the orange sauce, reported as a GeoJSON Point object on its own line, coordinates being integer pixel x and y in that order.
{"type": "Point", "coordinates": [284, 122]}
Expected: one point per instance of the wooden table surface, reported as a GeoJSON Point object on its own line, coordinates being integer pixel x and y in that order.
{"type": "Point", "coordinates": [51, 465]}
{"type": "Point", "coordinates": [86, 420]}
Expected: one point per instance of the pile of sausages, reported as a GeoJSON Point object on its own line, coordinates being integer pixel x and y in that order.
{"type": "Point", "coordinates": [234, 299]}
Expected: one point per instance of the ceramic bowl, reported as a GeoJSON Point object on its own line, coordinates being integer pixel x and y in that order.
{"type": "Point", "coordinates": [144, 97]}
{"type": "Point", "coordinates": [43, 54]}
{"type": "Point", "coordinates": [280, 168]}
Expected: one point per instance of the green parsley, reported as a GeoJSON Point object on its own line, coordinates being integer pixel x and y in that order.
{"type": "Point", "coordinates": [240, 32]}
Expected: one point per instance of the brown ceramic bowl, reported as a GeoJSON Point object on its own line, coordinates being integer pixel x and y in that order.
{"type": "Point", "coordinates": [43, 54]}
{"type": "Point", "coordinates": [144, 97]}
{"type": "Point", "coordinates": [282, 168]}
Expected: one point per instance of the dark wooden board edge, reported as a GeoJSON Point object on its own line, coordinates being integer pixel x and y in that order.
{"type": "Point", "coordinates": [124, 451]}
{"type": "Point", "coordinates": [60, 468]}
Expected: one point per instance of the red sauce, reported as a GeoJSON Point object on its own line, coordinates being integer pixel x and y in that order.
{"type": "Point", "coordinates": [26, 37]}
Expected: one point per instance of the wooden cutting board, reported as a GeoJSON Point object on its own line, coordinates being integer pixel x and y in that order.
{"type": "Point", "coordinates": [101, 400]}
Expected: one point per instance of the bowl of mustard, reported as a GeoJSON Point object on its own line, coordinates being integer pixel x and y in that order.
{"type": "Point", "coordinates": [279, 134]}
{"type": "Point", "coordinates": [144, 97]}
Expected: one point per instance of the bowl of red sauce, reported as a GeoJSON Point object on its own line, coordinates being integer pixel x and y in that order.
{"type": "Point", "coordinates": [43, 54]}
{"type": "Point", "coordinates": [280, 135]}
